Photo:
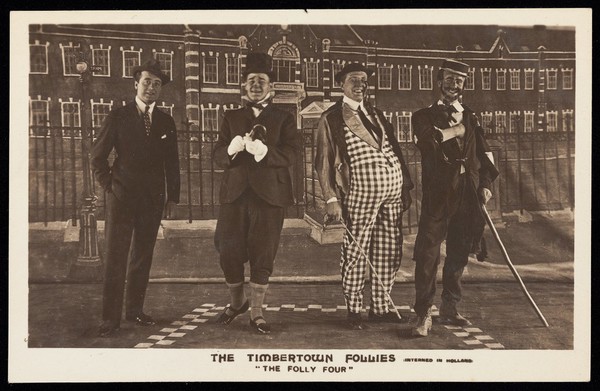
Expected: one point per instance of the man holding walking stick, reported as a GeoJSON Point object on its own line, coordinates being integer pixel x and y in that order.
{"type": "Point", "coordinates": [457, 174]}
{"type": "Point", "coordinates": [366, 182]}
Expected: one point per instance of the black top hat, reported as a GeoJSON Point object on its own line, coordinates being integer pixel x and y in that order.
{"type": "Point", "coordinates": [259, 63]}
{"type": "Point", "coordinates": [454, 66]}
{"type": "Point", "coordinates": [152, 66]}
{"type": "Point", "coordinates": [352, 67]}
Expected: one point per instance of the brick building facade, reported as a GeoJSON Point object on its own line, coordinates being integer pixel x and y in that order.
{"type": "Point", "coordinates": [521, 80]}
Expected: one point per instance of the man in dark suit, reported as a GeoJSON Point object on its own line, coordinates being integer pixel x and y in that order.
{"type": "Point", "coordinates": [366, 182]}
{"type": "Point", "coordinates": [145, 143]}
{"type": "Point", "coordinates": [257, 145]}
{"type": "Point", "coordinates": [457, 174]}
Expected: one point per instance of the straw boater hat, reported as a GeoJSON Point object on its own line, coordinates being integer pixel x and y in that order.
{"type": "Point", "coordinates": [460, 68]}
{"type": "Point", "coordinates": [352, 67]}
{"type": "Point", "coordinates": [259, 63]}
{"type": "Point", "coordinates": [153, 67]}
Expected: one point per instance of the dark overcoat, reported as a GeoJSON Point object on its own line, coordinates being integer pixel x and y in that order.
{"type": "Point", "coordinates": [270, 178]}
{"type": "Point", "coordinates": [441, 168]}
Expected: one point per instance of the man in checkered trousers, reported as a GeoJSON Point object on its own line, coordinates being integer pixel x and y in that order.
{"type": "Point", "coordinates": [365, 182]}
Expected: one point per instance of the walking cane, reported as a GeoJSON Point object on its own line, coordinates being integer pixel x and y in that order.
{"type": "Point", "coordinates": [511, 266]}
{"type": "Point", "coordinates": [364, 254]}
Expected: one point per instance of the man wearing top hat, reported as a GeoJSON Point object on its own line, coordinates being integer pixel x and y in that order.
{"type": "Point", "coordinates": [457, 171]}
{"type": "Point", "coordinates": [365, 181]}
{"type": "Point", "coordinates": [145, 143]}
{"type": "Point", "coordinates": [257, 145]}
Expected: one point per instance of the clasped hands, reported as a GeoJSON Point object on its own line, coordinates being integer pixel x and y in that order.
{"type": "Point", "coordinates": [254, 147]}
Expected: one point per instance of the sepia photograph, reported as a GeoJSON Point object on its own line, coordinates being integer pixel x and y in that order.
{"type": "Point", "coordinates": [316, 196]}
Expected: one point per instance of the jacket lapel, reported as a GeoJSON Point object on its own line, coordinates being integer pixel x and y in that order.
{"type": "Point", "coordinates": [356, 126]}
{"type": "Point", "coordinates": [137, 119]}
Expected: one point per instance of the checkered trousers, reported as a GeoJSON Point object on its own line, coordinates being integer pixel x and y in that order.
{"type": "Point", "coordinates": [375, 220]}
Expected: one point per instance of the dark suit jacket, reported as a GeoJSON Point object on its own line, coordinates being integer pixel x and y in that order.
{"type": "Point", "coordinates": [270, 178]}
{"type": "Point", "coordinates": [142, 163]}
{"type": "Point", "coordinates": [440, 177]}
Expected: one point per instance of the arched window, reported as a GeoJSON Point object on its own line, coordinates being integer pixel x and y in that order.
{"type": "Point", "coordinates": [285, 57]}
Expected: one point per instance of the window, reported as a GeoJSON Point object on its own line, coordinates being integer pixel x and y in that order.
{"type": "Point", "coordinates": [384, 77]}
{"type": "Point", "coordinates": [232, 65]}
{"type": "Point", "coordinates": [567, 121]}
{"type": "Point", "coordinates": [404, 77]}
{"type": "Point", "coordinates": [529, 121]}
{"type": "Point", "coordinates": [210, 122]}
{"type": "Point", "coordinates": [388, 116]}
{"type": "Point", "coordinates": [70, 114]}
{"type": "Point", "coordinates": [551, 75]}
{"type": "Point", "coordinates": [38, 58]}
{"type": "Point", "coordinates": [551, 121]}
{"type": "Point", "coordinates": [166, 108]}
{"type": "Point", "coordinates": [131, 59]}
{"type": "Point", "coordinates": [312, 73]}
{"type": "Point", "coordinates": [515, 79]}
{"type": "Point", "coordinates": [486, 121]}
{"type": "Point", "coordinates": [336, 67]}
{"type": "Point", "coordinates": [70, 56]}
{"type": "Point", "coordinates": [404, 128]}
{"type": "Point", "coordinates": [210, 71]}
{"type": "Point", "coordinates": [101, 59]}
{"type": "Point", "coordinates": [425, 78]}
{"type": "Point", "coordinates": [486, 79]}
{"type": "Point", "coordinates": [284, 70]}
{"type": "Point", "coordinates": [232, 106]}
{"type": "Point", "coordinates": [166, 63]}
{"type": "Point", "coordinates": [514, 125]}
{"type": "Point", "coordinates": [501, 79]}
{"type": "Point", "coordinates": [38, 112]}
{"type": "Point", "coordinates": [286, 57]}
{"type": "Point", "coordinates": [470, 81]}
{"type": "Point", "coordinates": [567, 79]}
{"type": "Point", "coordinates": [529, 73]}
{"type": "Point", "coordinates": [39, 117]}
{"type": "Point", "coordinates": [99, 113]}
{"type": "Point", "coordinates": [500, 121]}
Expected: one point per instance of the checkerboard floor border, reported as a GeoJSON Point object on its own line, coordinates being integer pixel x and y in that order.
{"type": "Point", "coordinates": [472, 336]}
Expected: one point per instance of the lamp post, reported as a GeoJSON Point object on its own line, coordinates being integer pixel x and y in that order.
{"type": "Point", "coordinates": [88, 265]}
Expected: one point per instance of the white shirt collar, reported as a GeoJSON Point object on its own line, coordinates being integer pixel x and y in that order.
{"type": "Point", "coordinates": [142, 106]}
{"type": "Point", "coordinates": [456, 105]}
{"type": "Point", "coordinates": [354, 105]}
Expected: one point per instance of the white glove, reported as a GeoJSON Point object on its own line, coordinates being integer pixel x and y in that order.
{"type": "Point", "coordinates": [236, 145]}
{"type": "Point", "coordinates": [484, 195]}
{"type": "Point", "coordinates": [257, 148]}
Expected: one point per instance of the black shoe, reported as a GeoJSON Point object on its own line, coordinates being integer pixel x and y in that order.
{"type": "Point", "coordinates": [388, 317]}
{"type": "Point", "coordinates": [107, 329]}
{"type": "Point", "coordinates": [262, 328]}
{"type": "Point", "coordinates": [355, 321]}
{"type": "Point", "coordinates": [226, 319]}
{"type": "Point", "coordinates": [141, 319]}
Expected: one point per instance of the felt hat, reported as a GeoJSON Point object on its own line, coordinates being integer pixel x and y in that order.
{"type": "Point", "coordinates": [460, 68]}
{"type": "Point", "coordinates": [152, 66]}
{"type": "Point", "coordinates": [352, 67]}
{"type": "Point", "coordinates": [259, 63]}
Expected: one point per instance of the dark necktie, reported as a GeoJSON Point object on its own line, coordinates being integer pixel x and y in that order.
{"type": "Point", "coordinates": [372, 128]}
{"type": "Point", "coordinates": [147, 122]}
